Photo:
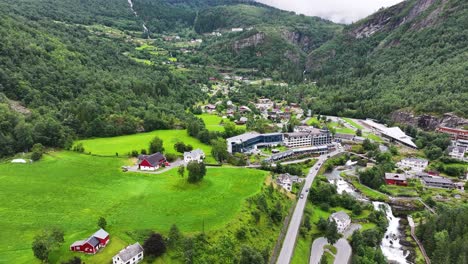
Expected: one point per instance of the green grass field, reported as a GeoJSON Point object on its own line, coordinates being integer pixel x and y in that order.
{"type": "Point", "coordinates": [125, 144]}
{"type": "Point", "coordinates": [212, 122]}
{"type": "Point", "coordinates": [70, 191]}
{"type": "Point", "coordinates": [345, 130]}
{"type": "Point", "coordinates": [351, 122]}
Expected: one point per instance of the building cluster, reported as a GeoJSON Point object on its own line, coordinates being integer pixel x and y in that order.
{"type": "Point", "coordinates": [129, 255]}
{"type": "Point", "coordinates": [248, 142]}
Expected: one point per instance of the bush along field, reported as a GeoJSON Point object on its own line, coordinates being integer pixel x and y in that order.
{"type": "Point", "coordinates": [70, 191]}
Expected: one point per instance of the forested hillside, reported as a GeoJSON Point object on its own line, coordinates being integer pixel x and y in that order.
{"type": "Point", "coordinates": [78, 82]}
{"type": "Point", "coordinates": [413, 55]}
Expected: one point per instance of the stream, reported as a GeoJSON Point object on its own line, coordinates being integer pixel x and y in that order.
{"type": "Point", "coordinates": [390, 245]}
{"type": "Point", "coordinates": [145, 29]}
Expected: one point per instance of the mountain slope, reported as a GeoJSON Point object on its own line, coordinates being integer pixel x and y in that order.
{"type": "Point", "coordinates": [413, 55]}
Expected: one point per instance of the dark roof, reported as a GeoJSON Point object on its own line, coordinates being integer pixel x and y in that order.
{"type": "Point", "coordinates": [154, 159]}
{"type": "Point", "coordinates": [437, 180]}
{"type": "Point", "coordinates": [93, 241]}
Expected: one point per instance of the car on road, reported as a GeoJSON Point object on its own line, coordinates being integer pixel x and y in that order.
{"type": "Point", "coordinates": [302, 195]}
{"type": "Point", "coordinates": [316, 168]}
{"type": "Point", "coordinates": [307, 190]}
{"type": "Point", "coordinates": [328, 156]}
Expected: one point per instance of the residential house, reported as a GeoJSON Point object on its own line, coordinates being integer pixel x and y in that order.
{"type": "Point", "coordinates": [286, 180]}
{"type": "Point", "coordinates": [244, 109]}
{"type": "Point", "coordinates": [195, 155]}
{"type": "Point", "coordinates": [129, 255]}
{"type": "Point", "coordinates": [342, 220]}
{"type": "Point", "coordinates": [414, 164]}
{"type": "Point", "coordinates": [458, 153]}
{"type": "Point", "coordinates": [210, 108]}
{"type": "Point", "coordinates": [242, 121]}
{"type": "Point", "coordinates": [92, 244]}
{"type": "Point", "coordinates": [151, 162]}
{"type": "Point", "coordinates": [454, 133]}
{"type": "Point", "coordinates": [396, 179]}
{"type": "Point", "coordinates": [438, 182]}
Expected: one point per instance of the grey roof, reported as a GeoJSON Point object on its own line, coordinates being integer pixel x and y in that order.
{"type": "Point", "coordinates": [194, 153]}
{"type": "Point", "coordinates": [93, 241]}
{"type": "Point", "coordinates": [129, 252]}
{"type": "Point", "coordinates": [296, 134]}
{"type": "Point", "coordinates": [78, 243]}
{"type": "Point", "coordinates": [437, 180]}
{"type": "Point", "coordinates": [418, 160]}
{"type": "Point", "coordinates": [243, 137]}
{"type": "Point", "coordinates": [459, 149]}
{"type": "Point", "coordinates": [101, 234]}
{"type": "Point", "coordinates": [154, 159]}
{"type": "Point", "coordinates": [341, 216]}
{"type": "Point", "coordinates": [395, 176]}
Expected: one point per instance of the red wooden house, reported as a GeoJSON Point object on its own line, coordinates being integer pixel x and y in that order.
{"type": "Point", "coordinates": [92, 244]}
{"type": "Point", "coordinates": [151, 162]}
{"type": "Point", "coordinates": [396, 179]}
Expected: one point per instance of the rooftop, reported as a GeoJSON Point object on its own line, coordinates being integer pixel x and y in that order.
{"type": "Point", "coordinates": [395, 176]}
{"type": "Point", "coordinates": [243, 137]}
{"type": "Point", "coordinates": [341, 216]}
{"type": "Point", "coordinates": [129, 252]}
{"type": "Point", "coordinates": [437, 180]}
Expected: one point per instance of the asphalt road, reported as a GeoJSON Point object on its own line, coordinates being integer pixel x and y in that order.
{"type": "Point", "coordinates": [343, 251]}
{"type": "Point", "coordinates": [317, 250]}
{"type": "Point", "coordinates": [293, 229]}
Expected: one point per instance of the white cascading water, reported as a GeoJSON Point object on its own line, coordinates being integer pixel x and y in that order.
{"type": "Point", "coordinates": [390, 245]}
{"type": "Point", "coordinates": [145, 29]}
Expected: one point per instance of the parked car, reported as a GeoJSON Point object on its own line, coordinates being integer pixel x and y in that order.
{"type": "Point", "coordinates": [302, 195]}
{"type": "Point", "coordinates": [307, 190]}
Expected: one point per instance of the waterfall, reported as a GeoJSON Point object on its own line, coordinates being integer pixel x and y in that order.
{"type": "Point", "coordinates": [391, 247]}
{"type": "Point", "coordinates": [145, 29]}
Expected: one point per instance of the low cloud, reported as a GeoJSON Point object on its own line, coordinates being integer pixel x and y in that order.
{"type": "Point", "coordinates": [339, 11]}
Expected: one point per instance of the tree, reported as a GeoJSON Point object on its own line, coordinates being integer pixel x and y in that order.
{"type": "Point", "coordinates": [102, 223]}
{"type": "Point", "coordinates": [37, 151]}
{"type": "Point", "coordinates": [196, 171]}
{"type": "Point", "coordinates": [181, 170]}
{"type": "Point", "coordinates": [174, 236]}
{"type": "Point", "coordinates": [331, 233]}
{"type": "Point", "coordinates": [44, 243]}
{"type": "Point", "coordinates": [322, 224]}
{"type": "Point", "coordinates": [75, 260]}
{"type": "Point", "coordinates": [154, 245]}
{"type": "Point", "coordinates": [219, 149]}
{"type": "Point", "coordinates": [156, 145]}
{"type": "Point", "coordinates": [180, 147]}
{"type": "Point", "coordinates": [250, 256]}
{"type": "Point", "coordinates": [359, 132]}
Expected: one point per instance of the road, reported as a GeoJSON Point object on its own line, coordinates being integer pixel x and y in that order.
{"type": "Point", "coordinates": [317, 248]}
{"type": "Point", "coordinates": [343, 251]}
{"type": "Point", "coordinates": [293, 229]}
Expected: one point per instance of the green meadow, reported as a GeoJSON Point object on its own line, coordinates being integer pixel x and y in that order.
{"type": "Point", "coordinates": [125, 144]}
{"type": "Point", "coordinates": [213, 122]}
{"type": "Point", "coordinates": [71, 191]}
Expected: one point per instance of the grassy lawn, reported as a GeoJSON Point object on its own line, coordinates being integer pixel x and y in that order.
{"type": "Point", "coordinates": [345, 130]}
{"type": "Point", "coordinates": [351, 122]}
{"type": "Point", "coordinates": [369, 192]}
{"type": "Point", "coordinates": [212, 122]}
{"type": "Point", "coordinates": [373, 137]}
{"type": "Point", "coordinates": [401, 191]}
{"type": "Point", "coordinates": [125, 144]}
{"type": "Point", "coordinates": [70, 191]}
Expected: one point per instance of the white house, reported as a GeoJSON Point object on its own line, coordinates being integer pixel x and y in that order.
{"type": "Point", "coordinates": [458, 153]}
{"type": "Point", "coordinates": [342, 220]}
{"type": "Point", "coordinates": [414, 164]}
{"type": "Point", "coordinates": [195, 155]}
{"type": "Point", "coordinates": [129, 255]}
{"type": "Point", "coordinates": [286, 180]}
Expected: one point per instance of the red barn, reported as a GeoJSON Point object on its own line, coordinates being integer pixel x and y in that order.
{"type": "Point", "coordinates": [151, 162]}
{"type": "Point", "coordinates": [92, 244]}
{"type": "Point", "coordinates": [396, 179]}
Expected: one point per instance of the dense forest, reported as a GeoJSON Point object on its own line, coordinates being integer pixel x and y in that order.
{"type": "Point", "coordinates": [444, 235]}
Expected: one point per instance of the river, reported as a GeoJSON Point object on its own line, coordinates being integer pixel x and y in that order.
{"type": "Point", "coordinates": [390, 245]}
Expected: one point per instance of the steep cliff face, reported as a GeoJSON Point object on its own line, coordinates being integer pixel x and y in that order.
{"type": "Point", "coordinates": [429, 122]}
{"type": "Point", "coordinates": [408, 12]}
{"type": "Point", "coordinates": [299, 39]}
{"type": "Point", "coordinates": [252, 41]}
